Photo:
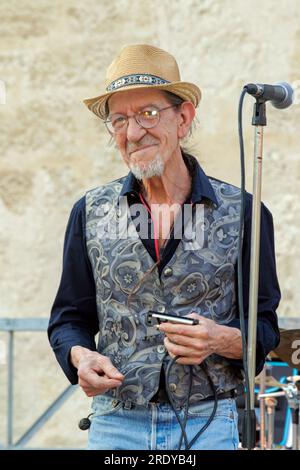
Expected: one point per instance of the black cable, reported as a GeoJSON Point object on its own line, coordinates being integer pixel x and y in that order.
{"type": "Point", "coordinates": [182, 425]}
{"type": "Point", "coordinates": [187, 403]}
{"type": "Point", "coordinates": [212, 415]}
{"type": "Point", "coordinates": [240, 271]}
{"type": "Point", "coordinates": [241, 314]}
{"type": "Point", "coordinates": [241, 229]}
{"type": "Point", "coordinates": [173, 405]}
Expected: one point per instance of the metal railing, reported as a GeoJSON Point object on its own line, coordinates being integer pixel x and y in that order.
{"type": "Point", "coordinates": [11, 326]}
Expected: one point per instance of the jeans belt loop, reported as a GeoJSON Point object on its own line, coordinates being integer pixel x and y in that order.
{"type": "Point", "coordinates": [128, 405]}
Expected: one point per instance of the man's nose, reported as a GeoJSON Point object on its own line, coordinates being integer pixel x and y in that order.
{"type": "Point", "coordinates": [134, 131]}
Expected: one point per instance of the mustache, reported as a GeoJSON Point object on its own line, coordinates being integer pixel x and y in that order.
{"type": "Point", "coordinates": [146, 140]}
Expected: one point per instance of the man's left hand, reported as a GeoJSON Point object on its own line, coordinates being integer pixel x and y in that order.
{"type": "Point", "coordinates": [194, 343]}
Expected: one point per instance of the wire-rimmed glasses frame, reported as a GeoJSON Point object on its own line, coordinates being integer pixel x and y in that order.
{"type": "Point", "coordinates": [146, 118]}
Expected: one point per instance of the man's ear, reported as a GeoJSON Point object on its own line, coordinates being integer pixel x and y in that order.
{"type": "Point", "coordinates": [186, 114]}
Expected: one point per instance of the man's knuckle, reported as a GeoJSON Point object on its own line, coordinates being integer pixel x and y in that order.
{"type": "Point", "coordinates": [104, 361]}
{"type": "Point", "coordinates": [176, 338]}
{"type": "Point", "coordinates": [181, 330]}
{"type": "Point", "coordinates": [198, 346]}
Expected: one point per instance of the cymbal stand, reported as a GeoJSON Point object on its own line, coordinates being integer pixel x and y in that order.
{"type": "Point", "coordinates": [262, 409]}
{"type": "Point", "coordinates": [271, 403]}
{"type": "Point", "coordinates": [292, 395]}
{"type": "Point", "coordinates": [290, 391]}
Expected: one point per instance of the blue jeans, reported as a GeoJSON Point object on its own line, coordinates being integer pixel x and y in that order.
{"type": "Point", "coordinates": [156, 428]}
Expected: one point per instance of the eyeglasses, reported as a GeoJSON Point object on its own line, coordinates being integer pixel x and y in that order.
{"type": "Point", "coordinates": [147, 118]}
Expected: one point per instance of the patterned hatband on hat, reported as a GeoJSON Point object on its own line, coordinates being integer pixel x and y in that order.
{"type": "Point", "coordinates": [143, 66]}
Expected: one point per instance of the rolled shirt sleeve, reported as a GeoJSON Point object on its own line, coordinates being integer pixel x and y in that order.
{"type": "Point", "coordinates": [73, 319]}
{"type": "Point", "coordinates": [268, 288]}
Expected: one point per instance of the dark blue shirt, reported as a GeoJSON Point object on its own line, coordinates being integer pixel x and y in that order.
{"type": "Point", "coordinates": [74, 318]}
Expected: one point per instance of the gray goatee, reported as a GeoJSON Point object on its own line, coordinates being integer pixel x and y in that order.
{"type": "Point", "coordinates": [154, 168]}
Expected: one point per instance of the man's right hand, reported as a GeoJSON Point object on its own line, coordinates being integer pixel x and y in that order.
{"type": "Point", "coordinates": [96, 373]}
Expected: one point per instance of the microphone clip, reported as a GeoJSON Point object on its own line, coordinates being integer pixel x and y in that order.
{"type": "Point", "coordinates": [85, 423]}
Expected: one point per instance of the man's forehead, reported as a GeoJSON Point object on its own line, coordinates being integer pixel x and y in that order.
{"type": "Point", "coordinates": [135, 99]}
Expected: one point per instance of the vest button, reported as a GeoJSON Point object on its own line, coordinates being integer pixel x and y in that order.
{"type": "Point", "coordinates": [161, 349]}
{"type": "Point", "coordinates": [161, 308]}
{"type": "Point", "coordinates": [172, 387]}
{"type": "Point", "coordinates": [105, 208]}
{"type": "Point", "coordinates": [168, 272]}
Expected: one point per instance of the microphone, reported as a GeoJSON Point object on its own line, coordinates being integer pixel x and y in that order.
{"type": "Point", "coordinates": [280, 94]}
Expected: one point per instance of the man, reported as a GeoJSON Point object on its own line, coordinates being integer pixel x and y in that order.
{"type": "Point", "coordinates": [154, 385]}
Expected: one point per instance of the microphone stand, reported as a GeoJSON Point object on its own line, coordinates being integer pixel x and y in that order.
{"type": "Point", "coordinates": [259, 121]}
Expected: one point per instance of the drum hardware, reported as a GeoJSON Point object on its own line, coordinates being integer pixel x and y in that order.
{"type": "Point", "coordinates": [262, 408]}
{"type": "Point", "coordinates": [269, 381]}
{"type": "Point", "coordinates": [295, 379]}
{"type": "Point", "coordinates": [271, 403]}
{"type": "Point", "coordinates": [290, 391]}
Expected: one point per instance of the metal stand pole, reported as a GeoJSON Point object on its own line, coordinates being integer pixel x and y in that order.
{"type": "Point", "coordinates": [254, 263]}
{"type": "Point", "coordinates": [295, 421]}
{"type": "Point", "coordinates": [271, 405]}
{"type": "Point", "coordinates": [262, 409]}
{"type": "Point", "coordinates": [292, 395]}
{"type": "Point", "coordinates": [258, 120]}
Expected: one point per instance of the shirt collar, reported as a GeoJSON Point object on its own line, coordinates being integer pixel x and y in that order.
{"type": "Point", "coordinates": [201, 186]}
{"type": "Point", "coordinates": [131, 185]}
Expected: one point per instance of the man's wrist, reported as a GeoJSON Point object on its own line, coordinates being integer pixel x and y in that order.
{"type": "Point", "coordinates": [228, 342]}
{"type": "Point", "coordinates": [76, 354]}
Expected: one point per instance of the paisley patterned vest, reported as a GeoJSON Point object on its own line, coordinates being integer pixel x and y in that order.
{"type": "Point", "coordinates": [200, 277]}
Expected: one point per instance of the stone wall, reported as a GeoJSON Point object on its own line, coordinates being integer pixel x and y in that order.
{"type": "Point", "coordinates": [53, 54]}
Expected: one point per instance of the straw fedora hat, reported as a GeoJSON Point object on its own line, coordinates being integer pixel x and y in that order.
{"type": "Point", "coordinates": [142, 66]}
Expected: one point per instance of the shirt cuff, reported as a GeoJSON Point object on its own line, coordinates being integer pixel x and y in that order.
{"type": "Point", "coordinates": [260, 355]}
{"type": "Point", "coordinates": [62, 353]}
